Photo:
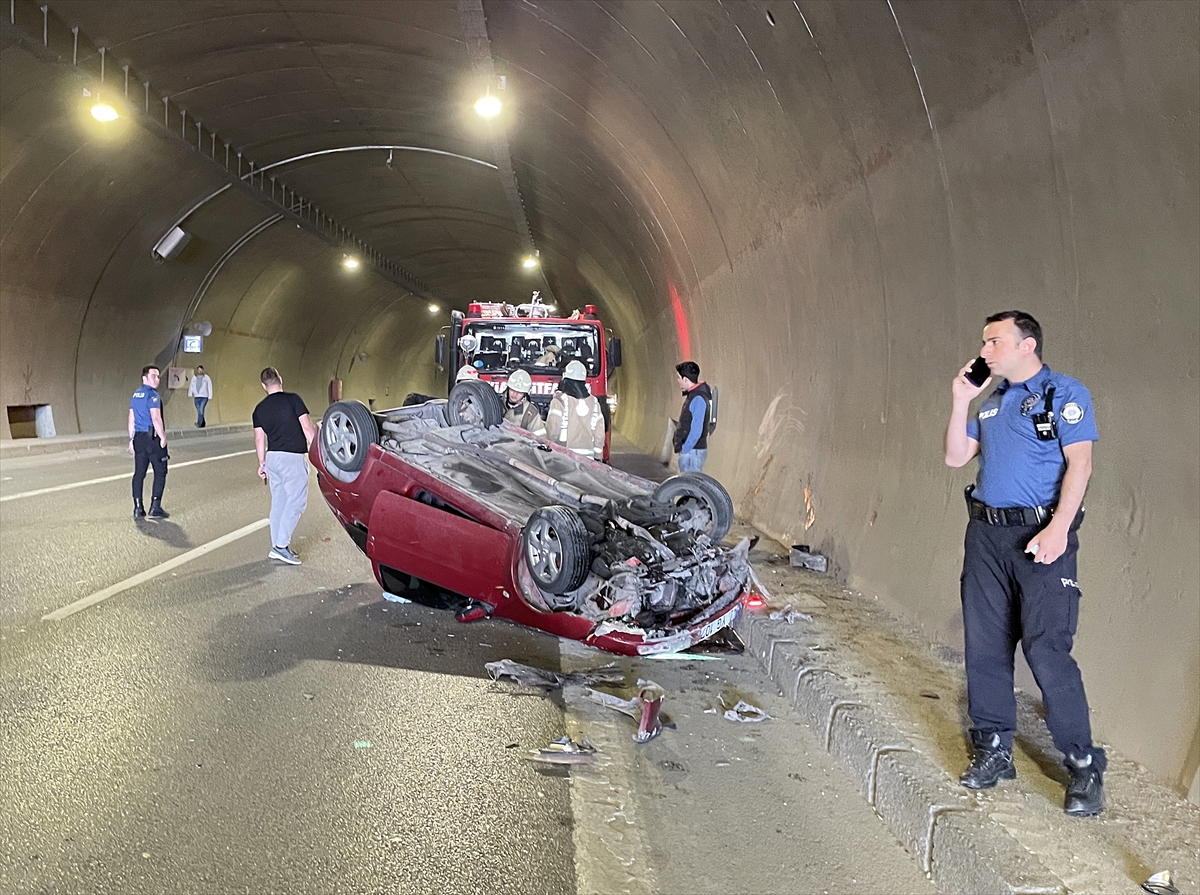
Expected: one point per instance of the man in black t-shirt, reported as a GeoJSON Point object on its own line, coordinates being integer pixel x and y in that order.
{"type": "Point", "coordinates": [283, 431]}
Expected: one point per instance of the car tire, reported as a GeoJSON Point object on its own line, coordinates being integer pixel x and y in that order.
{"type": "Point", "coordinates": [703, 492]}
{"type": "Point", "coordinates": [348, 429]}
{"type": "Point", "coordinates": [474, 403]}
{"type": "Point", "coordinates": [555, 546]}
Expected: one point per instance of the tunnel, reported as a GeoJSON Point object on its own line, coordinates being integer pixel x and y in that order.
{"type": "Point", "coordinates": [817, 201]}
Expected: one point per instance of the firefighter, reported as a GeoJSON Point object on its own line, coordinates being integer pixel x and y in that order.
{"type": "Point", "coordinates": [576, 420]}
{"type": "Point", "coordinates": [466, 371]}
{"type": "Point", "coordinates": [518, 409]}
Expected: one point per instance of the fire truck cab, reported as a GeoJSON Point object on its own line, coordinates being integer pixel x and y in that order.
{"type": "Point", "coordinates": [497, 338]}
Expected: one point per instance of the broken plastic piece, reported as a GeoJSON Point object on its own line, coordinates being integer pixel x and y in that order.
{"type": "Point", "coordinates": [802, 559]}
{"type": "Point", "coordinates": [643, 708]}
{"type": "Point", "coordinates": [746, 713]}
{"type": "Point", "coordinates": [790, 614]}
{"type": "Point", "coordinates": [528, 676]}
{"type": "Point", "coordinates": [1160, 884]}
{"type": "Point", "coordinates": [565, 751]}
{"type": "Point", "coordinates": [473, 612]}
{"type": "Point", "coordinates": [395, 598]}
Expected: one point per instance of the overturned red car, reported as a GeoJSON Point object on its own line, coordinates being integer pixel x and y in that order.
{"type": "Point", "coordinates": [501, 523]}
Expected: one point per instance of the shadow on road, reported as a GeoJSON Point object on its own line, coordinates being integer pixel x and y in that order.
{"type": "Point", "coordinates": [355, 624]}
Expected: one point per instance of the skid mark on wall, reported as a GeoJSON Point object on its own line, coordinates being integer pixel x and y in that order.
{"type": "Point", "coordinates": [777, 422]}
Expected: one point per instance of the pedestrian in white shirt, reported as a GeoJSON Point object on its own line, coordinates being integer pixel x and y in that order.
{"type": "Point", "coordinates": [200, 391]}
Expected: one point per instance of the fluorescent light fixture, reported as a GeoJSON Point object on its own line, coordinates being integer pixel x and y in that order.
{"type": "Point", "coordinates": [350, 262]}
{"type": "Point", "coordinates": [487, 106]}
{"type": "Point", "coordinates": [104, 112]}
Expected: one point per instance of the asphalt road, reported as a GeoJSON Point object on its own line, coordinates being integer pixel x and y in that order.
{"type": "Point", "coordinates": [235, 725]}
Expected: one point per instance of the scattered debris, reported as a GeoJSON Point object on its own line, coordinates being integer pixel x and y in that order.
{"type": "Point", "coordinates": [681, 657]}
{"type": "Point", "coordinates": [1160, 884]}
{"type": "Point", "coordinates": [746, 713]}
{"type": "Point", "coordinates": [802, 558]}
{"type": "Point", "coordinates": [758, 584]}
{"type": "Point", "coordinates": [724, 643]}
{"type": "Point", "coordinates": [565, 751]}
{"type": "Point", "coordinates": [928, 695]}
{"type": "Point", "coordinates": [643, 708]}
{"type": "Point", "coordinates": [528, 676]}
{"type": "Point", "coordinates": [309, 695]}
{"type": "Point", "coordinates": [789, 614]}
{"type": "Point", "coordinates": [395, 598]}
{"type": "Point", "coordinates": [362, 744]}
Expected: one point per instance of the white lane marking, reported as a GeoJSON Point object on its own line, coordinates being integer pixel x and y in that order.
{"type": "Point", "coordinates": [113, 478]}
{"type": "Point", "coordinates": [140, 577]}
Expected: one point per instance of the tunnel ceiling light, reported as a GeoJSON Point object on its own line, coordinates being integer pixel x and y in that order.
{"type": "Point", "coordinates": [350, 262]}
{"type": "Point", "coordinates": [102, 111]}
{"type": "Point", "coordinates": [433, 309]}
{"type": "Point", "coordinates": [488, 106]}
{"type": "Point", "coordinates": [529, 262]}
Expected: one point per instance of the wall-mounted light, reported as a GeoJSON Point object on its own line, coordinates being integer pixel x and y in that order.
{"type": "Point", "coordinates": [350, 262]}
{"type": "Point", "coordinates": [433, 309]}
{"type": "Point", "coordinates": [529, 262]}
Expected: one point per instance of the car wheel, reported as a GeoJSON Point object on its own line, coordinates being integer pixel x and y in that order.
{"type": "Point", "coordinates": [710, 504]}
{"type": "Point", "coordinates": [474, 403]}
{"type": "Point", "coordinates": [348, 429]}
{"type": "Point", "coordinates": [555, 544]}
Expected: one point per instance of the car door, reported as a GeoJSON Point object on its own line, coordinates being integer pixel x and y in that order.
{"type": "Point", "coordinates": [441, 547]}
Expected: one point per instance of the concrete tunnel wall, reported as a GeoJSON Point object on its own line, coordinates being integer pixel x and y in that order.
{"type": "Point", "coordinates": [823, 207]}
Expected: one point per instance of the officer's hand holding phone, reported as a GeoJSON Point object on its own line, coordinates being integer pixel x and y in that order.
{"type": "Point", "coordinates": [972, 379]}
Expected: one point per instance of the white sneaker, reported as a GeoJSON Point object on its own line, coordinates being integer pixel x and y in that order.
{"type": "Point", "coordinates": [283, 554]}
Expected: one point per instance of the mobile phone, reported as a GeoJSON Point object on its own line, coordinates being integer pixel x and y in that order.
{"type": "Point", "coordinates": [979, 372]}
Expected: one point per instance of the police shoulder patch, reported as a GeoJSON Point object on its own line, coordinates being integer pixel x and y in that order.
{"type": "Point", "coordinates": [1072, 413]}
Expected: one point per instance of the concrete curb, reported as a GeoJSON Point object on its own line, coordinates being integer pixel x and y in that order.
{"type": "Point", "coordinates": [959, 846]}
{"type": "Point", "coordinates": [23, 447]}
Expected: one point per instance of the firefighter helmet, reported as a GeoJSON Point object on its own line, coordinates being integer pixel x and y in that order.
{"type": "Point", "coordinates": [466, 371]}
{"type": "Point", "coordinates": [575, 370]}
{"type": "Point", "coordinates": [520, 381]}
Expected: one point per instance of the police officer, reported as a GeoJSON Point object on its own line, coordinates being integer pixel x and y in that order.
{"type": "Point", "coordinates": [518, 409]}
{"type": "Point", "coordinates": [148, 443]}
{"type": "Point", "coordinates": [1033, 435]}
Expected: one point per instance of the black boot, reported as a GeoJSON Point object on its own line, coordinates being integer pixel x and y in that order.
{"type": "Point", "coordinates": [991, 764]}
{"type": "Point", "coordinates": [156, 510]}
{"type": "Point", "coordinates": [1085, 794]}
{"type": "Point", "coordinates": [139, 511]}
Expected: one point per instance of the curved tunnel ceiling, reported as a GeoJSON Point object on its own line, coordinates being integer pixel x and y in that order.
{"type": "Point", "coordinates": [818, 201]}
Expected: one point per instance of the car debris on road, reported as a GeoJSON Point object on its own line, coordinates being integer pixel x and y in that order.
{"type": "Point", "coordinates": [564, 751]}
{"type": "Point", "coordinates": [645, 708]}
{"type": "Point", "coordinates": [528, 676]}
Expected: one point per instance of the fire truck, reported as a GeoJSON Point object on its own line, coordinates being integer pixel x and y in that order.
{"type": "Point", "coordinates": [496, 338]}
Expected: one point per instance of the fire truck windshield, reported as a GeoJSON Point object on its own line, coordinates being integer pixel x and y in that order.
{"type": "Point", "coordinates": [539, 347]}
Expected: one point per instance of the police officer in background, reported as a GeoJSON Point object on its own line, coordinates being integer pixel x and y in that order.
{"type": "Point", "coordinates": [148, 444]}
{"type": "Point", "coordinates": [1033, 436]}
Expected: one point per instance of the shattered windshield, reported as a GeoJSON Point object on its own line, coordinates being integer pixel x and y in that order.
{"type": "Point", "coordinates": [536, 346]}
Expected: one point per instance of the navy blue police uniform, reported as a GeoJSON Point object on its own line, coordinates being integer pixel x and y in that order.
{"type": "Point", "coordinates": [147, 450]}
{"type": "Point", "coordinates": [1022, 429]}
